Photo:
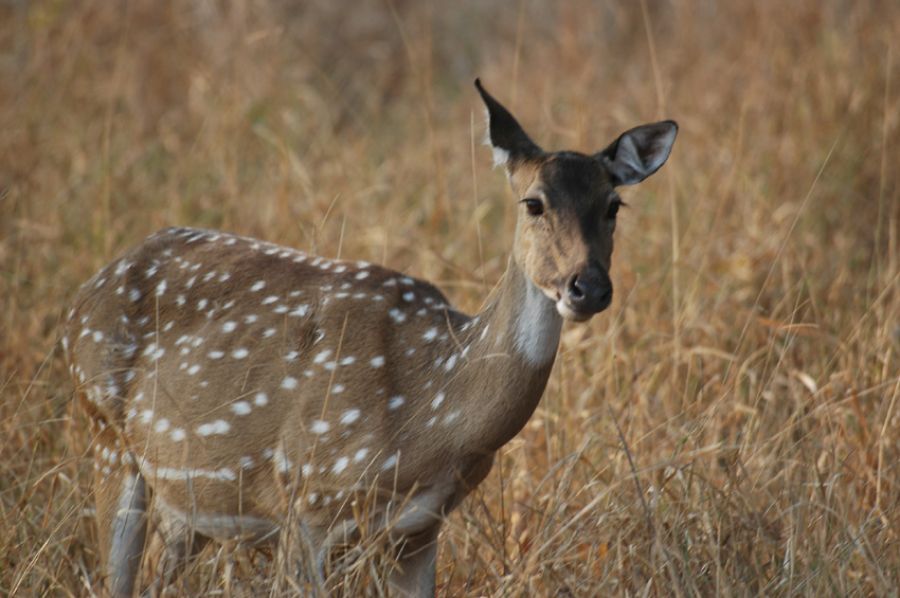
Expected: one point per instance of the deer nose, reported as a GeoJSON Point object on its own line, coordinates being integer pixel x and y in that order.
{"type": "Point", "coordinates": [589, 291]}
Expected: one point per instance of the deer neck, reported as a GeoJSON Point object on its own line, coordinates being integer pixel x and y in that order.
{"type": "Point", "coordinates": [526, 320]}
{"type": "Point", "coordinates": [517, 338]}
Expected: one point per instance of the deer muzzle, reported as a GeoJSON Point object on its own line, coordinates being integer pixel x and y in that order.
{"type": "Point", "coordinates": [587, 292]}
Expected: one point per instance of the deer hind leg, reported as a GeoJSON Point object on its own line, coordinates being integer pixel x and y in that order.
{"type": "Point", "coordinates": [121, 500]}
{"type": "Point", "coordinates": [301, 554]}
{"type": "Point", "coordinates": [171, 544]}
{"type": "Point", "coordinates": [416, 566]}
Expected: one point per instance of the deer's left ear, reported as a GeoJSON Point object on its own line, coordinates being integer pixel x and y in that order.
{"type": "Point", "coordinates": [639, 152]}
{"type": "Point", "coordinates": [509, 141]}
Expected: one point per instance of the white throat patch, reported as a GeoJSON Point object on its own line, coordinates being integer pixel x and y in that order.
{"type": "Point", "coordinates": [537, 327]}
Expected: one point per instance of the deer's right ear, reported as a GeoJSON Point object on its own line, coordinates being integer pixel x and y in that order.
{"type": "Point", "coordinates": [510, 143]}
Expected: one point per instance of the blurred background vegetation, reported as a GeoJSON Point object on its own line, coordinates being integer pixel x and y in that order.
{"type": "Point", "coordinates": [749, 363]}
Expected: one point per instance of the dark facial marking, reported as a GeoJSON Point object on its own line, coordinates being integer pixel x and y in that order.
{"type": "Point", "coordinates": [574, 178]}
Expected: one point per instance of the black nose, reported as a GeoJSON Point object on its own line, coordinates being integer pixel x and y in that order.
{"type": "Point", "coordinates": [589, 291]}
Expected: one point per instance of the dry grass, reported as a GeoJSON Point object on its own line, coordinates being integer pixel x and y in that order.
{"type": "Point", "coordinates": [729, 427]}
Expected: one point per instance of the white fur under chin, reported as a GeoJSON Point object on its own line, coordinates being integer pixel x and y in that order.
{"type": "Point", "coordinates": [564, 310]}
{"type": "Point", "coordinates": [569, 314]}
{"type": "Point", "coordinates": [537, 328]}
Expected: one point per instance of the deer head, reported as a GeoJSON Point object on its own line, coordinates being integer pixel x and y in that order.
{"type": "Point", "coordinates": [568, 205]}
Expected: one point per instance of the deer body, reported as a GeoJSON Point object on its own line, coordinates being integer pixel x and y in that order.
{"type": "Point", "coordinates": [231, 381]}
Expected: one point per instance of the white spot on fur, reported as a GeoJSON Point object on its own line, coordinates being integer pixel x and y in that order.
{"type": "Point", "coordinates": [219, 426]}
{"type": "Point", "coordinates": [223, 474]}
{"type": "Point", "coordinates": [282, 463]}
{"type": "Point", "coordinates": [390, 462]}
{"type": "Point", "coordinates": [122, 267]}
{"type": "Point", "coordinates": [299, 311]}
{"type": "Point", "coordinates": [241, 408]}
{"type": "Point", "coordinates": [451, 362]}
{"type": "Point", "coordinates": [350, 416]}
{"type": "Point", "coordinates": [340, 465]}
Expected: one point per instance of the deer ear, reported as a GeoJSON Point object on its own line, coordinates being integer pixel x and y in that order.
{"type": "Point", "coordinates": [639, 152]}
{"type": "Point", "coordinates": [510, 143]}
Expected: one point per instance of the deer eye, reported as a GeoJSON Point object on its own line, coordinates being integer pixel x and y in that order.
{"type": "Point", "coordinates": [535, 207]}
{"type": "Point", "coordinates": [613, 209]}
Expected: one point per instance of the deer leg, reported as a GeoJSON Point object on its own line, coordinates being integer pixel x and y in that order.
{"type": "Point", "coordinates": [169, 549]}
{"type": "Point", "coordinates": [416, 566]}
{"type": "Point", "coordinates": [302, 554]}
{"type": "Point", "coordinates": [120, 496]}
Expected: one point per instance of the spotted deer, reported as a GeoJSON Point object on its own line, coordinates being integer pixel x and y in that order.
{"type": "Point", "coordinates": [231, 382]}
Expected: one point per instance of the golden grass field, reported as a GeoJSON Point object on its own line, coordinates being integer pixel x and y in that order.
{"type": "Point", "coordinates": [730, 426]}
